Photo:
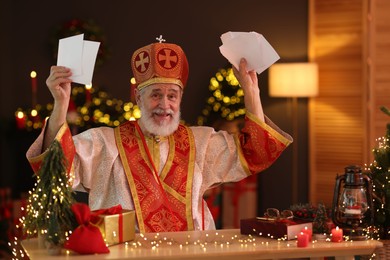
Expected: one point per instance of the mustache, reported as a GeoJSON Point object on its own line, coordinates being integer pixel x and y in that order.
{"type": "Point", "coordinates": [160, 111]}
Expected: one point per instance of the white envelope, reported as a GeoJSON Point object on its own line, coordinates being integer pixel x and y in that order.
{"type": "Point", "coordinates": [78, 55]}
{"type": "Point", "coordinates": [249, 45]}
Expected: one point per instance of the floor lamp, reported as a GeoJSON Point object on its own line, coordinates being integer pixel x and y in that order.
{"type": "Point", "coordinates": [294, 80]}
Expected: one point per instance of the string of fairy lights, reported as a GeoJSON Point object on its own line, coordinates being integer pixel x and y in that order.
{"type": "Point", "coordinates": [89, 107]}
{"type": "Point", "coordinates": [205, 242]}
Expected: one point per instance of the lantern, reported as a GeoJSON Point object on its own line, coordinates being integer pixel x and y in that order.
{"type": "Point", "coordinates": [352, 202]}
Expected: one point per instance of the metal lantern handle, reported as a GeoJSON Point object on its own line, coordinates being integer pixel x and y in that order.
{"type": "Point", "coordinates": [368, 181]}
{"type": "Point", "coordinates": [336, 196]}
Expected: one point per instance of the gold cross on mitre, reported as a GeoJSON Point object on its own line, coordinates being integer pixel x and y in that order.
{"type": "Point", "coordinates": [160, 39]}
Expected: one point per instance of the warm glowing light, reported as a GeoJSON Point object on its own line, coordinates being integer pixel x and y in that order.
{"type": "Point", "coordinates": [19, 114]}
{"type": "Point", "coordinates": [293, 79]}
{"type": "Point", "coordinates": [33, 74]}
{"type": "Point", "coordinates": [34, 112]}
{"type": "Point", "coordinates": [137, 113]}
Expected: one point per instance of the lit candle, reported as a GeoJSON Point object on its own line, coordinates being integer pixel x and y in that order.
{"type": "Point", "coordinates": [309, 233]}
{"type": "Point", "coordinates": [88, 93]}
{"type": "Point", "coordinates": [20, 119]}
{"type": "Point", "coordinates": [133, 86]}
{"type": "Point", "coordinates": [33, 76]}
{"type": "Point", "coordinates": [303, 239]}
{"type": "Point", "coordinates": [337, 234]}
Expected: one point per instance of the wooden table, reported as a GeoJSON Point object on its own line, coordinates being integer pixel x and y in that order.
{"type": "Point", "coordinates": [223, 244]}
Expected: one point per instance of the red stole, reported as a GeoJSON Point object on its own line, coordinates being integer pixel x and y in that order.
{"type": "Point", "coordinates": [159, 208]}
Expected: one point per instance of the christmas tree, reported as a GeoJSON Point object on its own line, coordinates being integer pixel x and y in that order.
{"type": "Point", "coordinates": [49, 204]}
{"type": "Point", "coordinates": [226, 100]}
{"type": "Point", "coordinates": [321, 220]}
{"type": "Point", "coordinates": [380, 175]}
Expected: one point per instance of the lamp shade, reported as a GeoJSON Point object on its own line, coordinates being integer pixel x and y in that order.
{"type": "Point", "coordinates": [293, 79]}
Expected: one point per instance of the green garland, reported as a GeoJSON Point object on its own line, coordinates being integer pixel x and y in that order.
{"type": "Point", "coordinates": [318, 214]}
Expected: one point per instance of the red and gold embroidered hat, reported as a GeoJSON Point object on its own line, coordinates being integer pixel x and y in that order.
{"type": "Point", "coordinates": [160, 63]}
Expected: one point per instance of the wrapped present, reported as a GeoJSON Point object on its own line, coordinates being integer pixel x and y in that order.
{"type": "Point", "coordinates": [116, 225]}
{"type": "Point", "coordinates": [270, 228]}
{"type": "Point", "coordinates": [86, 238]}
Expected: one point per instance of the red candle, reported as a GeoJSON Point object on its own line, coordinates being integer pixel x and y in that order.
{"type": "Point", "coordinates": [20, 120]}
{"type": "Point", "coordinates": [33, 76]}
{"type": "Point", "coordinates": [133, 86]}
{"type": "Point", "coordinates": [337, 234]}
{"type": "Point", "coordinates": [303, 239]}
{"type": "Point", "coordinates": [309, 233]}
{"type": "Point", "coordinates": [88, 98]}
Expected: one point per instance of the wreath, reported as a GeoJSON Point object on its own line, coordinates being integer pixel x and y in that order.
{"type": "Point", "coordinates": [226, 100]}
{"type": "Point", "coordinates": [91, 32]}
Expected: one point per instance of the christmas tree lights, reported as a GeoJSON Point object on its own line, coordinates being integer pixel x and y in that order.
{"type": "Point", "coordinates": [379, 172]}
{"type": "Point", "coordinates": [89, 107]}
{"type": "Point", "coordinates": [49, 204]}
{"type": "Point", "coordinates": [226, 100]}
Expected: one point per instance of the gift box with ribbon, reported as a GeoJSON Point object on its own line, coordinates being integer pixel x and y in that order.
{"type": "Point", "coordinates": [115, 224]}
{"type": "Point", "coordinates": [270, 228]}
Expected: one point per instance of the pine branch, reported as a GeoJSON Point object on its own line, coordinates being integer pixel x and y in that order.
{"type": "Point", "coordinates": [385, 110]}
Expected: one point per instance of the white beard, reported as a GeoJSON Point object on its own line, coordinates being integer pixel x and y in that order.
{"type": "Point", "coordinates": [163, 129]}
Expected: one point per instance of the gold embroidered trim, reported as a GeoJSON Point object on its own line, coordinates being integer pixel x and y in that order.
{"type": "Point", "coordinates": [130, 179]}
{"type": "Point", "coordinates": [171, 155]}
{"type": "Point", "coordinates": [144, 154]}
{"type": "Point", "coordinates": [62, 131]}
{"type": "Point", "coordinates": [241, 156]}
{"type": "Point", "coordinates": [58, 137]}
{"type": "Point", "coordinates": [174, 193]}
{"type": "Point", "coordinates": [190, 177]}
{"type": "Point", "coordinates": [160, 80]}
{"type": "Point", "coordinates": [269, 129]}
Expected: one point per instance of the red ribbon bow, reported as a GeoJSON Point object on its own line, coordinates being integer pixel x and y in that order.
{"type": "Point", "coordinates": [110, 211]}
{"type": "Point", "coordinates": [86, 238]}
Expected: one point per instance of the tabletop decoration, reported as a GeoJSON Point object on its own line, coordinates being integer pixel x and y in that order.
{"type": "Point", "coordinates": [86, 238]}
{"type": "Point", "coordinates": [48, 212]}
{"type": "Point", "coordinates": [117, 225]}
{"type": "Point", "coordinates": [282, 228]}
{"type": "Point", "coordinates": [319, 214]}
{"type": "Point", "coordinates": [353, 208]}
{"type": "Point", "coordinates": [302, 239]}
{"type": "Point", "coordinates": [337, 235]}
{"type": "Point", "coordinates": [309, 233]}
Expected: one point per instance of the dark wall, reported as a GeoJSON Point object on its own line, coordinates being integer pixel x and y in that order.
{"type": "Point", "coordinates": [128, 25]}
